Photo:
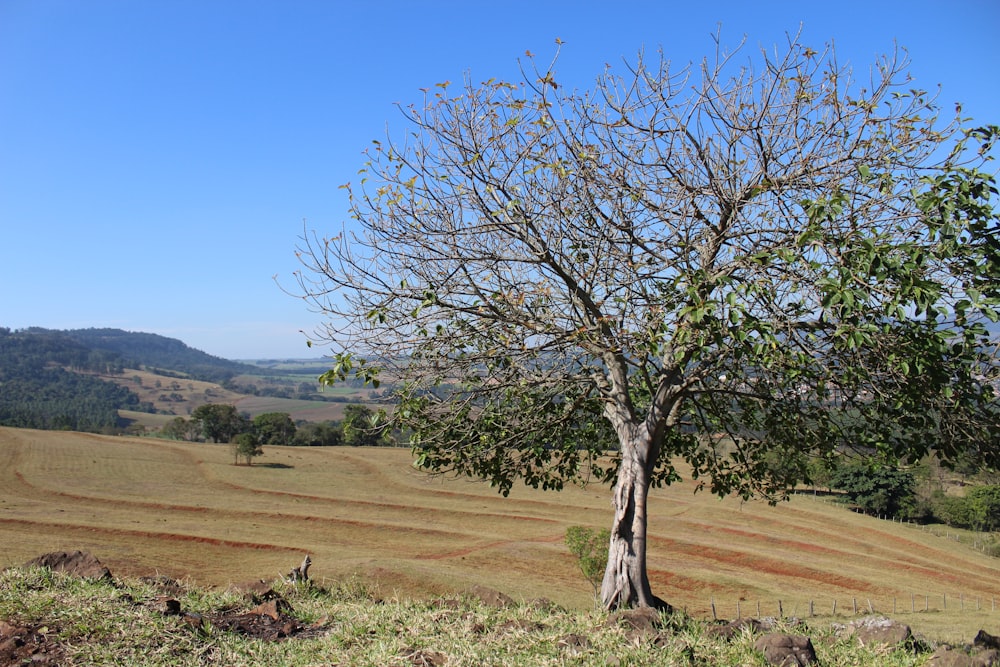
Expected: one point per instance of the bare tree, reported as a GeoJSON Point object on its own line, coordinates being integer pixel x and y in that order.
{"type": "Point", "coordinates": [736, 266]}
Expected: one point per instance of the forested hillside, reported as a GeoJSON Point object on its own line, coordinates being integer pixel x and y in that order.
{"type": "Point", "coordinates": [152, 351]}
{"type": "Point", "coordinates": [39, 388]}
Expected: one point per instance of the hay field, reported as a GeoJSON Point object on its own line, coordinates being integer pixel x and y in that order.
{"type": "Point", "coordinates": [147, 506]}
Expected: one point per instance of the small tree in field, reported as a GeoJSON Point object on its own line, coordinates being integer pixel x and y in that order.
{"type": "Point", "coordinates": [246, 446]}
{"type": "Point", "coordinates": [741, 265]}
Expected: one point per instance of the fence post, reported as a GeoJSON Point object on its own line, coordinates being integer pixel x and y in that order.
{"type": "Point", "coordinates": [834, 612]}
{"type": "Point", "coordinates": [854, 603]}
{"type": "Point", "coordinates": [738, 615]}
{"type": "Point", "coordinates": [714, 617]}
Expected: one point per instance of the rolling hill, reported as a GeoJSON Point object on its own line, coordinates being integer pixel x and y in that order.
{"type": "Point", "coordinates": [145, 506]}
{"type": "Point", "coordinates": [102, 380]}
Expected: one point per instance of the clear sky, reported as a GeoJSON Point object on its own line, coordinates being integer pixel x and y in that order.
{"type": "Point", "coordinates": [159, 158]}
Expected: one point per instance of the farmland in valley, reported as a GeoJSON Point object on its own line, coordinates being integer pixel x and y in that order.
{"type": "Point", "coordinates": [146, 506]}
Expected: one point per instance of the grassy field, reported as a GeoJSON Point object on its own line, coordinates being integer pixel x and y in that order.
{"type": "Point", "coordinates": [180, 396]}
{"type": "Point", "coordinates": [146, 506]}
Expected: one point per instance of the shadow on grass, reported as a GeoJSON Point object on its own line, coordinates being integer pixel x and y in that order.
{"type": "Point", "coordinates": [276, 466]}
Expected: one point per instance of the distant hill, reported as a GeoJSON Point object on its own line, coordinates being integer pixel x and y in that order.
{"type": "Point", "coordinates": [48, 378]}
{"type": "Point", "coordinates": [47, 381]}
{"type": "Point", "coordinates": [169, 356]}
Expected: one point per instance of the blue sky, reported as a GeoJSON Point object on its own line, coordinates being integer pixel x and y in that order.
{"type": "Point", "coordinates": [158, 158]}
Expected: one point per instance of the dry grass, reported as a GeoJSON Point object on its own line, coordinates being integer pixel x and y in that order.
{"type": "Point", "coordinates": [182, 509]}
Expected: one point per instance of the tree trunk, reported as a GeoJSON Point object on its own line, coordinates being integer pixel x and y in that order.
{"type": "Point", "coordinates": [626, 583]}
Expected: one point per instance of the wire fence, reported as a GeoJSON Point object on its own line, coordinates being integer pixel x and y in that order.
{"type": "Point", "coordinates": [915, 603]}
{"type": "Point", "coordinates": [985, 542]}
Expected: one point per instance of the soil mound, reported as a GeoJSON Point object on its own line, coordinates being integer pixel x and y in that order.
{"type": "Point", "coordinates": [78, 563]}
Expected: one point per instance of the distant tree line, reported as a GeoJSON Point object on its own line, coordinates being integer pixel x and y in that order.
{"type": "Point", "coordinates": [39, 392]}
{"type": "Point", "coordinates": [216, 422]}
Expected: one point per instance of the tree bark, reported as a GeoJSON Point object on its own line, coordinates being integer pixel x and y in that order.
{"type": "Point", "coordinates": [626, 583]}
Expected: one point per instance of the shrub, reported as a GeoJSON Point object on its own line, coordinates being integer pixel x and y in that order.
{"type": "Point", "coordinates": [591, 550]}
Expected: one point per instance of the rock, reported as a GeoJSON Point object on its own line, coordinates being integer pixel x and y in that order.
{"type": "Point", "coordinates": [574, 643]}
{"type": "Point", "coordinates": [422, 658]}
{"type": "Point", "coordinates": [520, 625]}
{"type": "Point", "coordinates": [946, 656]}
{"type": "Point", "coordinates": [786, 650]}
{"type": "Point", "coordinates": [733, 628]}
{"type": "Point", "coordinates": [543, 604]}
{"type": "Point", "coordinates": [24, 645]}
{"type": "Point", "coordinates": [987, 658]}
{"type": "Point", "coordinates": [880, 631]}
{"type": "Point", "coordinates": [986, 640]}
{"type": "Point", "coordinates": [165, 584]}
{"type": "Point", "coordinates": [258, 591]}
{"type": "Point", "coordinates": [489, 597]}
{"type": "Point", "coordinates": [640, 619]}
{"type": "Point", "coordinates": [275, 609]}
{"type": "Point", "coordinates": [76, 563]}
{"type": "Point", "coordinates": [167, 606]}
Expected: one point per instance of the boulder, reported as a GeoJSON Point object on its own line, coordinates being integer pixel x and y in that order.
{"type": "Point", "coordinates": [879, 631]}
{"type": "Point", "coordinates": [642, 620]}
{"type": "Point", "coordinates": [986, 640]}
{"type": "Point", "coordinates": [784, 650]}
{"type": "Point", "coordinates": [946, 656]}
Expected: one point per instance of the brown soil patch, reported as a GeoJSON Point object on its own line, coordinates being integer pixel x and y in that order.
{"type": "Point", "coordinates": [29, 645]}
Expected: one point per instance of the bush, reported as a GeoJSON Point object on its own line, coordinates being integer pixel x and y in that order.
{"type": "Point", "coordinates": [978, 510]}
{"type": "Point", "coordinates": [246, 446]}
{"type": "Point", "coordinates": [591, 550]}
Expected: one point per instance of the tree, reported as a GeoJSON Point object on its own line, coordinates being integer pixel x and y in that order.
{"type": "Point", "coordinates": [247, 446]}
{"type": "Point", "coordinates": [319, 434]}
{"type": "Point", "coordinates": [978, 509]}
{"type": "Point", "coordinates": [738, 263]}
{"type": "Point", "coordinates": [274, 428]}
{"type": "Point", "coordinates": [179, 428]}
{"type": "Point", "coordinates": [984, 503]}
{"type": "Point", "coordinates": [878, 490]}
{"type": "Point", "coordinates": [219, 422]}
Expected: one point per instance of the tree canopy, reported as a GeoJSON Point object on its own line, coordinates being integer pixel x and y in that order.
{"type": "Point", "coordinates": [219, 422]}
{"type": "Point", "coordinates": [757, 258]}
